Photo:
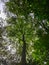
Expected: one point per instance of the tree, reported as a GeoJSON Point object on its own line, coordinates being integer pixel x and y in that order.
{"type": "Point", "coordinates": [40, 8]}
{"type": "Point", "coordinates": [23, 31]}
{"type": "Point", "coordinates": [2, 44]}
{"type": "Point", "coordinates": [22, 26]}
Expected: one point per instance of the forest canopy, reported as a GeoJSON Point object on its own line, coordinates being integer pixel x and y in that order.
{"type": "Point", "coordinates": [28, 31]}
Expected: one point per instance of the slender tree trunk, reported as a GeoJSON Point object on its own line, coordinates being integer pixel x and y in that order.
{"type": "Point", "coordinates": [23, 60]}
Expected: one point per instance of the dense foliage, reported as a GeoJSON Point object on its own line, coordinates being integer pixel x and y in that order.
{"type": "Point", "coordinates": [29, 29]}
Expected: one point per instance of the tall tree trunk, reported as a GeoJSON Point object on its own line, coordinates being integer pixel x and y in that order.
{"type": "Point", "coordinates": [23, 60]}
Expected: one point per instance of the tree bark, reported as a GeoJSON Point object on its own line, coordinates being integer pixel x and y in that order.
{"type": "Point", "coordinates": [23, 60]}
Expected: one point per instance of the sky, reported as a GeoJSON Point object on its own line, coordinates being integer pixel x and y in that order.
{"type": "Point", "coordinates": [2, 14]}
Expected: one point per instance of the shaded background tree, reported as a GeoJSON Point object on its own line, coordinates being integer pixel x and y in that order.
{"type": "Point", "coordinates": [20, 8]}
